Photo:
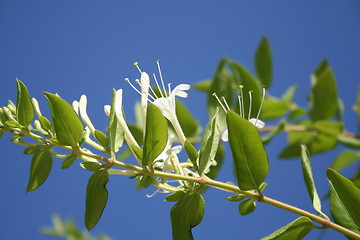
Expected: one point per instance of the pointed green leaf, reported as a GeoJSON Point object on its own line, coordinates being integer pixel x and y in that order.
{"type": "Point", "coordinates": [246, 207]}
{"type": "Point", "coordinates": [41, 164]}
{"type": "Point", "coordinates": [33, 149]}
{"type": "Point", "coordinates": [347, 193]}
{"type": "Point", "coordinates": [349, 141]}
{"type": "Point", "coordinates": [96, 198]}
{"type": "Point", "coordinates": [45, 123]}
{"type": "Point", "coordinates": [24, 106]}
{"type": "Point", "coordinates": [91, 166]}
{"type": "Point", "coordinates": [236, 198]}
{"type": "Point", "coordinates": [309, 179]}
{"type": "Point", "coordinates": [156, 134]}
{"type": "Point", "coordinates": [243, 77]}
{"type": "Point", "coordinates": [67, 124]}
{"type": "Point", "coordinates": [175, 197]}
{"type": "Point", "coordinates": [115, 132]}
{"type": "Point", "coordinates": [273, 108]}
{"type": "Point", "coordinates": [295, 230]}
{"type": "Point", "coordinates": [145, 181]}
{"type": "Point", "coordinates": [203, 86]}
{"type": "Point", "coordinates": [339, 213]}
{"type": "Point", "coordinates": [251, 161]}
{"type": "Point", "coordinates": [323, 96]}
{"type": "Point", "coordinates": [191, 152]}
{"type": "Point", "coordinates": [209, 143]}
{"type": "Point", "coordinates": [186, 214]}
{"type": "Point", "coordinates": [68, 162]}
{"type": "Point", "coordinates": [263, 64]}
{"type": "Point", "coordinates": [345, 159]}
{"type": "Point", "coordinates": [101, 138]}
{"type": "Point", "coordinates": [188, 123]}
{"type": "Point", "coordinates": [297, 113]}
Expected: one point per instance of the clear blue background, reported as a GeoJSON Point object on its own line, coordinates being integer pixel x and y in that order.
{"type": "Point", "coordinates": [88, 47]}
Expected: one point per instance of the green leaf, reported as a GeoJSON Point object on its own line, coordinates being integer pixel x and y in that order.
{"type": "Point", "coordinates": [295, 230]}
{"type": "Point", "coordinates": [347, 193]}
{"type": "Point", "coordinates": [12, 124]}
{"type": "Point", "coordinates": [24, 106]}
{"type": "Point", "coordinates": [339, 213]}
{"type": "Point", "coordinates": [246, 207]}
{"type": "Point", "coordinates": [137, 132]}
{"type": "Point", "coordinates": [145, 181]}
{"type": "Point", "coordinates": [67, 124]}
{"type": "Point", "coordinates": [209, 144]}
{"type": "Point", "coordinates": [33, 149]}
{"type": "Point", "coordinates": [41, 164]}
{"type": "Point", "coordinates": [91, 166]}
{"type": "Point", "coordinates": [187, 122]}
{"type": "Point", "coordinates": [297, 113]}
{"type": "Point", "coordinates": [309, 179]}
{"type": "Point", "coordinates": [243, 77]}
{"type": "Point", "coordinates": [349, 141]}
{"type": "Point", "coordinates": [323, 96]}
{"type": "Point", "coordinates": [45, 123]}
{"type": "Point", "coordinates": [96, 198]}
{"type": "Point", "coordinates": [175, 197]}
{"type": "Point", "coordinates": [251, 161]}
{"type": "Point", "coordinates": [156, 134]}
{"type": "Point", "coordinates": [203, 86]}
{"type": "Point", "coordinates": [263, 64]}
{"type": "Point", "coordinates": [236, 198]}
{"type": "Point", "coordinates": [345, 159]}
{"type": "Point", "coordinates": [101, 138]}
{"type": "Point", "coordinates": [191, 152]}
{"type": "Point", "coordinates": [186, 214]}
{"type": "Point", "coordinates": [68, 162]}
{"type": "Point", "coordinates": [115, 132]}
{"type": "Point", "coordinates": [273, 108]}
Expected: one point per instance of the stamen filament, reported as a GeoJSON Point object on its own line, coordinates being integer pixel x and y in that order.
{"type": "Point", "coordinates": [214, 94]}
{"type": "Point", "coordinates": [240, 109]}
{"type": "Point", "coordinates": [138, 82]}
{"type": "Point", "coordinates": [262, 101]}
{"type": "Point", "coordinates": [169, 88]}
{"type": "Point", "coordinates": [127, 80]}
{"type": "Point", "coordinates": [223, 98]}
{"type": "Point", "coordinates": [161, 78]}
{"type": "Point", "coordinates": [250, 92]}
{"type": "Point", "coordinates": [158, 86]}
{"type": "Point", "coordinates": [242, 101]}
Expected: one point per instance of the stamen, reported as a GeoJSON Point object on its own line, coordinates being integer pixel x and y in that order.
{"type": "Point", "coordinates": [161, 78]}
{"type": "Point", "coordinates": [262, 101]}
{"type": "Point", "coordinates": [242, 101]}
{"type": "Point", "coordinates": [157, 84]}
{"type": "Point", "coordinates": [223, 98]}
{"type": "Point", "coordinates": [240, 109]}
{"type": "Point", "coordinates": [136, 64]}
{"type": "Point", "coordinates": [169, 88]}
{"type": "Point", "coordinates": [214, 94]}
{"type": "Point", "coordinates": [127, 80]}
{"type": "Point", "coordinates": [250, 92]}
{"type": "Point", "coordinates": [152, 90]}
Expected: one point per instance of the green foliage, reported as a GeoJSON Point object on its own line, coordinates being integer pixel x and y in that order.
{"type": "Point", "coordinates": [156, 134]}
{"type": "Point", "coordinates": [186, 214]}
{"type": "Point", "coordinates": [249, 155]}
{"type": "Point", "coordinates": [24, 106]}
{"type": "Point", "coordinates": [263, 62]}
{"type": "Point", "coordinates": [41, 164]}
{"type": "Point", "coordinates": [96, 197]}
{"type": "Point", "coordinates": [295, 230]}
{"type": "Point", "coordinates": [67, 124]}
{"type": "Point", "coordinates": [115, 132]}
{"type": "Point", "coordinates": [347, 194]}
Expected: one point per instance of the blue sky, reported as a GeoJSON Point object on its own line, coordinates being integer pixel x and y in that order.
{"type": "Point", "coordinates": [88, 47]}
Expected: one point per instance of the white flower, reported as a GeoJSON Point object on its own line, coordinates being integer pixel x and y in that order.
{"type": "Point", "coordinates": [83, 113]}
{"type": "Point", "coordinates": [163, 161]}
{"type": "Point", "coordinates": [255, 121]}
{"type": "Point", "coordinates": [165, 101]}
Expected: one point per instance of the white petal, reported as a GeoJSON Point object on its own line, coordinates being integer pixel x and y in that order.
{"type": "Point", "coordinates": [180, 89]}
{"type": "Point", "coordinates": [107, 109]}
{"type": "Point", "coordinates": [225, 136]}
{"type": "Point", "coordinates": [257, 122]}
{"type": "Point", "coordinates": [118, 102]}
{"type": "Point", "coordinates": [75, 105]}
{"type": "Point", "coordinates": [83, 113]}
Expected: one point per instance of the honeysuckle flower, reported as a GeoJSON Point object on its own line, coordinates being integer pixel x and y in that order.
{"type": "Point", "coordinates": [163, 160]}
{"type": "Point", "coordinates": [83, 113]}
{"type": "Point", "coordinates": [255, 121]}
{"type": "Point", "coordinates": [165, 100]}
